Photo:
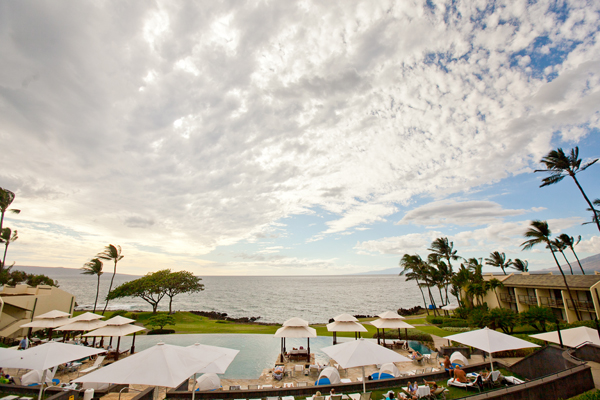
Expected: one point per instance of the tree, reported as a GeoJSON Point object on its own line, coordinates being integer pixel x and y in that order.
{"type": "Point", "coordinates": [520, 265]}
{"type": "Point", "coordinates": [571, 243]}
{"type": "Point", "coordinates": [412, 269]}
{"type": "Point", "coordinates": [560, 246]}
{"type": "Point", "coordinates": [503, 318]}
{"type": "Point", "coordinates": [537, 317]}
{"type": "Point", "coordinates": [7, 237]}
{"type": "Point", "coordinates": [445, 249]}
{"type": "Point", "coordinates": [113, 253]}
{"type": "Point", "coordinates": [181, 282]}
{"type": "Point", "coordinates": [498, 259]}
{"type": "Point", "coordinates": [94, 267]}
{"type": "Point", "coordinates": [6, 198]}
{"type": "Point", "coordinates": [560, 165]}
{"type": "Point", "coordinates": [12, 278]}
{"type": "Point", "coordinates": [160, 321]}
{"type": "Point", "coordinates": [539, 232]}
{"type": "Point", "coordinates": [150, 288]}
{"type": "Point", "coordinates": [493, 284]}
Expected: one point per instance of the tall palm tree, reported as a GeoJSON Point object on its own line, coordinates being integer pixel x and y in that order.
{"type": "Point", "coordinates": [520, 265]}
{"type": "Point", "coordinates": [412, 266]}
{"type": "Point", "coordinates": [571, 243]}
{"type": "Point", "coordinates": [6, 198]}
{"type": "Point", "coordinates": [444, 249]}
{"type": "Point", "coordinates": [539, 232]}
{"type": "Point", "coordinates": [560, 246]}
{"type": "Point", "coordinates": [493, 284]}
{"type": "Point", "coordinates": [94, 267]}
{"type": "Point", "coordinates": [560, 165]}
{"type": "Point", "coordinates": [498, 259]}
{"type": "Point", "coordinates": [7, 237]}
{"type": "Point", "coordinates": [113, 253]}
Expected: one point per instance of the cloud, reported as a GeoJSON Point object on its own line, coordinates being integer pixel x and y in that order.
{"type": "Point", "coordinates": [591, 245]}
{"type": "Point", "coordinates": [458, 213]}
{"type": "Point", "coordinates": [138, 222]}
{"type": "Point", "coordinates": [398, 245]}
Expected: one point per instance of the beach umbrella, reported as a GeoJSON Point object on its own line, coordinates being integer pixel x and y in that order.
{"type": "Point", "coordinates": [490, 341]}
{"type": "Point", "coordinates": [160, 365]}
{"type": "Point", "coordinates": [299, 331]}
{"type": "Point", "coordinates": [571, 337]}
{"type": "Point", "coordinates": [50, 320]}
{"type": "Point", "coordinates": [53, 315]}
{"type": "Point", "coordinates": [117, 331]}
{"type": "Point", "coordinates": [358, 353]}
{"type": "Point", "coordinates": [219, 366]}
{"type": "Point", "coordinates": [119, 320]}
{"type": "Point", "coordinates": [390, 315]}
{"type": "Point", "coordinates": [87, 316]}
{"type": "Point", "coordinates": [82, 325]}
{"type": "Point", "coordinates": [47, 356]}
{"type": "Point", "coordinates": [345, 326]}
{"type": "Point", "coordinates": [295, 321]}
{"type": "Point", "coordinates": [450, 307]}
{"type": "Point", "coordinates": [390, 320]}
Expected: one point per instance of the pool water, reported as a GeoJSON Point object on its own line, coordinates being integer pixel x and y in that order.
{"type": "Point", "coordinates": [418, 346]}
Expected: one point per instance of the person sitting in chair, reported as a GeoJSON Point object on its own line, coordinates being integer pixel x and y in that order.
{"type": "Point", "coordinates": [460, 375]}
{"type": "Point", "coordinates": [447, 365]}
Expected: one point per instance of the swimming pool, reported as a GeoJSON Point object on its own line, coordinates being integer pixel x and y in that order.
{"type": "Point", "coordinates": [257, 352]}
{"type": "Point", "coordinates": [418, 346]}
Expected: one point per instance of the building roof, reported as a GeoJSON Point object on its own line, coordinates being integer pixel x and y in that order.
{"type": "Point", "coordinates": [551, 281]}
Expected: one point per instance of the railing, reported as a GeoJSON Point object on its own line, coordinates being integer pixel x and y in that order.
{"type": "Point", "coordinates": [550, 302]}
{"type": "Point", "coordinates": [508, 298]}
{"type": "Point", "coordinates": [531, 300]}
{"type": "Point", "coordinates": [582, 305]}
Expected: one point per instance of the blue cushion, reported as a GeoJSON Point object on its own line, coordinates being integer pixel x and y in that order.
{"type": "Point", "coordinates": [376, 376]}
{"type": "Point", "coordinates": [323, 381]}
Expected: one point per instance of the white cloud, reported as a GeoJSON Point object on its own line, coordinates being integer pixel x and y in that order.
{"type": "Point", "coordinates": [411, 243]}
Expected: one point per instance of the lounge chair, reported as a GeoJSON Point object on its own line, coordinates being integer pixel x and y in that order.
{"type": "Point", "coordinates": [298, 369]}
{"type": "Point", "coordinates": [360, 396]}
{"type": "Point", "coordinates": [252, 387]}
{"type": "Point", "coordinates": [272, 397]}
{"type": "Point", "coordinates": [302, 384]}
{"type": "Point", "coordinates": [433, 358]}
{"type": "Point", "coordinates": [466, 386]}
{"type": "Point", "coordinates": [97, 364]}
{"type": "Point", "coordinates": [439, 393]}
{"type": "Point", "coordinates": [495, 378]}
{"type": "Point", "coordinates": [318, 397]}
{"type": "Point", "coordinates": [335, 397]}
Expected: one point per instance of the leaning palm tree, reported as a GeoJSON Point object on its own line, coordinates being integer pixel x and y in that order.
{"type": "Point", "coordinates": [6, 198]}
{"type": "Point", "coordinates": [539, 232]}
{"type": "Point", "coordinates": [560, 246]}
{"type": "Point", "coordinates": [595, 212]}
{"type": "Point", "coordinates": [494, 284]}
{"type": "Point", "coordinates": [498, 259]}
{"type": "Point", "coordinates": [444, 249]}
{"type": "Point", "coordinates": [560, 165]}
{"type": "Point", "coordinates": [571, 243]}
{"type": "Point", "coordinates": [94, 267]}
{"type": "Point", "coordinates": [520, 265]}
{"type": "Point", "coordinates": [113, 253]}
{"type": "Point", "coordinates": [412, 265]}
{"type": "Point", "coordinates": [7, 237]}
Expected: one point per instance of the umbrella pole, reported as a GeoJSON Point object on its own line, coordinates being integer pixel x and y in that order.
{"type": "Point", "coordinates": [334, 338]}
{"type": "Point", "coordinates": [559, 335]}
{"type": "Point", "coordinates": [42, 385]}
{"type": "Point", "coordinates": [110, 343]}
{"type": "Point", "coordinates": [132, 350]}
{"type": "Point", "coordinates": [194, 388]}
{"type": "Point", "coordinates": [406, 333]}
{"type": "Point", "coordinates": [363, 376]}
{"type": "Point", "coordinates": [378, 339]}
{"type": "Point", "coordinates": [491, 362]}
{"type": "Point", "coordinates": [383, 334]}
{"type": "Point", "coordinates": [118, 343]}
{"type": "Point", "coordinates": [308, 345]}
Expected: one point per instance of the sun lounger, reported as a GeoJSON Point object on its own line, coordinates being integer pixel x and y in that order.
{"type": "Point", "coordinates": [360, 396]}
{"type": "Point", "coordinates": [252, 387]}
{"type": "Point", "coordinates": [462, 385]}
{"type": "Point", "coordinates": [272, 397]}
{"type": "Point", "coordinates": [302, 384]}
{"type": "Point", "coordinates": [287, 398]}
{"type": "Point", "coordinates": [9, 398]}
{"type": "Point", "coordinates": [514, 380]}
{"type": "Point", "coordinates": [97, 364]}
{"type": "Point", "coordinates": [346, 380]}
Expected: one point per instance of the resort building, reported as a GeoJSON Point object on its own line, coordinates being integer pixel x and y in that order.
{"type": "Point", "coordinates": [19, 304]}
{"type": "Point", "coordinates": [524, 290]}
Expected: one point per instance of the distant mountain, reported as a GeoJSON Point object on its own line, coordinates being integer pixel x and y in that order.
{"type": "Point", "coordinates": [389, 271]}
{"type": "Point", "coordinates": [589, 264]}
{"type": "Point", "coordinates": [58, 272]}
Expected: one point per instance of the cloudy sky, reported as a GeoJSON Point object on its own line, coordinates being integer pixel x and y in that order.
{"type": "Point", "coordinates": [280, 137]}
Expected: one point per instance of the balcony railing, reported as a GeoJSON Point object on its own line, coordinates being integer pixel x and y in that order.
{"type": "Point", "coordinates": [550, 302]}
{"type": "Point", "coordinates": [508, 298]}
{"type": "Point", "coordinates": [531, 300]}
{"type": "Point", "coordinates": [582, 305]}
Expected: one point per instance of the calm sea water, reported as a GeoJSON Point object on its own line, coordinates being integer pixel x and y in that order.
{"type": "Point", "coordinates": [272, 298]}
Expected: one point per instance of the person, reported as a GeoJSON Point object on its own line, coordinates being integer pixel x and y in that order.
{"type": "Point", "coordinates": [412, 388]}
{"type": "Point", "coordinates": [390, 395]}
{"type": "Point", "coordinates": [460, 375]}
{"type": "Point", "coordinates": [332, 392]}
{"type": "Point", "coordinates": [318, 394]}
{"type": "Point", "coordinates": [448, 365]}
{"type": "Point", "coordinates": [24, 343]}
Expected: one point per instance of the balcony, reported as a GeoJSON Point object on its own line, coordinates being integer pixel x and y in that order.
{"type": "Point", "coordinates": [530, 300]}
{"type": "Point", "coordinates": [581, 305]}
{"type": "Point", "coordinates": [508, 298]}
{"type": "Point", "coordinates": [550, 302]}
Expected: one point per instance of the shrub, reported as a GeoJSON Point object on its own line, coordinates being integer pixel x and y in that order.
{"type": "Point", "coordinates": [122, 313]}
{"type": "Point", "coordinates": [479, 318]}
{"type": "Point", "coordinates": [411, 311]}
{"type": "Point", "coordinates": [413, 334]}
{"type": "Point", "coordinates": [160, 321]}
{"type": "Point", "coordinates": [590, 395]}
{"type": "Point", "coordinates": [456, 329]}
{"type": "Point", "coordinates": [503, 318]}
{"type": "Point", "coordinates": [160, 332]}
{"type": "Point", "coordinates": [455, 323]}
{"type": "Point", "coordinates": [537, 317]}
{"type": "Point", "coordinates": [462, 312]}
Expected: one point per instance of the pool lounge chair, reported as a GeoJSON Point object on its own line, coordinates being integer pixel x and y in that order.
{"type": "Point", "coordinates": [97, 364]}
{"type": "Point", "coordinates": [360, 396]}
{"type": "Point", "coordinates": [466, 386]}
{"type": "Point", "coordinates": [513, 380]}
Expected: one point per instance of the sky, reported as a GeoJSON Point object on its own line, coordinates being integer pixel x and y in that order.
{"type": "Point", "coordinates": [293, 138]}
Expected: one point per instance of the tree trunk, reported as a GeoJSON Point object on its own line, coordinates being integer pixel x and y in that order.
{"type": "Point", "coordinates": [170, 302]}
{"type": "Point", "coordinates": [435, 312]}
{"type": "Point", "coordinates": [586, 199]}
{"type": "Point", "coordinates": [497, 298]}
{"type": "Point", "coordinates": [4, 258]}
{"type": "Point", "coordinates": [502, 267]}
{"type": "Point", "coordinates": [110, 287]}
{"type": "Point", "coordinates": [577, 258]}
{"type": "Point", "coordinates": [568, 263]}
{"type": "Point", "coordinates": [566, 284]}
{"type": "Point", "coordinates": [97, 293]}
{"type": "Point", "coordinates": [423, 294]}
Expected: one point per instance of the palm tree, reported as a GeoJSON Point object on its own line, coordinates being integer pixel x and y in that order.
{"type": "Point", "coordinates": [412, 266]}
{"type": "Point", "coordinates": [493, 284]}
{"type": "Point", "coordinates": [7, 237]}
{"type": "Point", "coordinates": [110, 252]}
{"type": "Point", "coordinates": [94, 267]}
{"type": "Point", "coordinates": [520, 265]}
{"type": "Point", "coordinates": [444, 249]}
{"type": "Point", "coordinates": [571, 243]}
{"type": "Point", "coordinates": [6, 198]}
{"type": "Point", "coordinates": [560, 246]}
{"type": "Point", "coordinates": [539, 232]}
{"type": "Point", "coordinates": [498, 259]}
{"type": "Point", "coordinates": [559, 165]}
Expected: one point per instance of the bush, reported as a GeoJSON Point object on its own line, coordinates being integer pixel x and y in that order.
{"type": "Point", "coordinates": [160, 321]}
{"type": "Point", "coordinates": [593, 394]}
{"type": "Point", "coordinates": [455, 323]}
{"type": "Point", "coordinates": [537, 317]}
{"type": "Point", "coordinates": [503, 318]}
{"type": "Point", "coordinates": [161, 332]}
{"type": "Point", "coordinates": [410, 311]}
{"type": "Point", "coordinates": [453, 329]}
{"type": "Point", "coordinates": [479, 318]}
{"type": "Point", "coordinates": [462, 312]}
{"type": "Point", "coordinates": [413, 334]}
{"type": "Point", "coordinates": [435, 320]}
{"type": "Point", "coordinates": [122, 313]}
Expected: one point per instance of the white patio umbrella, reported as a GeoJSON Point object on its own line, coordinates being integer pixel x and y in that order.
{"type": "Point", "coordinates": [87, 316]}
{"type": "Point", "coordinates": [295, 332]}
{"type": "Point", "coordinates": [117, 331]}
{"type": "Point", "coordinates": [345, 323]}
{"type": "Point", "coordinates": [571, 337]}
{"type": "Point", "coordinates": [361, 352]}
{"type": "Point", "coordinates": [53, 315]}
{"type": "Point", "coordinates": [295, 321]}
{"type": "Point", "coordinates": [160, 365]}
{"type": "Point", "coordinates": [491, 341]}
{"type": "Point", "coordinates": [50, 320]}
{"type": "Point", "coordinates": [390, 315]}
{"type": "Point", "coordinates": [82, 325]}
{"type": "Point", "coordinates": [47, 356]}
{"type": "Point", "coordinates": [391, 323]}
{"type": "Point", "coordinates": [450, 307]}
{"type": "Point", "coordinates": [219, 366]}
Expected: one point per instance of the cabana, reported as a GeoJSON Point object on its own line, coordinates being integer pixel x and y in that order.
{"type": "Point", "coordinates": [458, 358]}
{"type": "Point", "coordinates": [345, 323]}
{"type": "Point", "coordinates": [390, 369]}
{"type": "Point", "coordinates": [570, 337]}
{"type": "Point", "coordinates": [329, 376]}
{"type": "Point", "coordinates": [390, 320]}
{"type": "Point", "coordinates": [208, 381]}
{"type": "Point", "coordinates": [296, 328]}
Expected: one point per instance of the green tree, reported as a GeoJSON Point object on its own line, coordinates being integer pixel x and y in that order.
{"type": "Point", "coordinates": [537, 317]}
{"type": "Point", "coordinates": [94, 267]}
{"type": "Point", "coordinates": [445, 249]}
{"type": "Point", "coordinates": [6, 199]}
{"type": "Point", "coordinates": [181, 282]}
{"type": "Point", "coordinates": [498, 259]}
{"type": "Point", "coordinates": [539, 232]}
{"type": "Point", "coordinates": [151, 288]}
{"type": "Point", "coordinates": [160, 321]}
{"type": "Point", "coordinates": [571, 243]}
{"type": "Point", "coordinates": [12, 278]}
{"type": "Point", "coordinates": [520, 265]}
{"type": "Point", "coordinates": [559, 165]}
{"type": "Point", "coordinates": [560, 246]}
{"type": "Point", "coordinates": [112, 253]}
{"type": "Point", "coordinates": [412, 269]}
{"type": "Point", "coordinates": [494, 284]}
{"type": "Point", "coordinates": [503, 318]}
{"type": "Point", "coordinates": [7, 237]}
{"type": "Point", "coordinates": [479, 317]}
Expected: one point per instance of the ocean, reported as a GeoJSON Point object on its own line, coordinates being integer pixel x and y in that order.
{"type": "Point", "coordinates": [272, 298]}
